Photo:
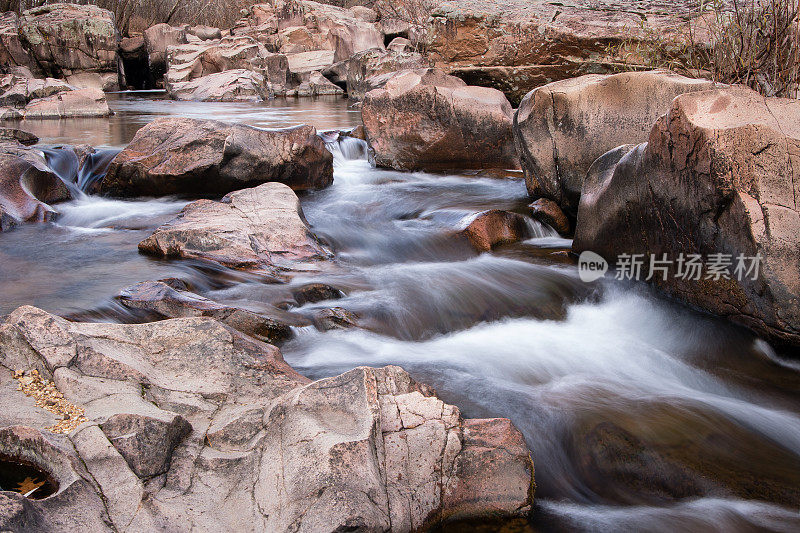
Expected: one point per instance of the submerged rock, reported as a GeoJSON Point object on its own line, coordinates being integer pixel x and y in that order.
{"type": "Point", "coordinates": [426, 119]}
{"type": "Point", "coordinates": [248, 444]}
{"type": "Point", "coordinates": [257, 228]}
{"type": "Point", "coordinates": [175, 302]}
{"type": "Point", "coordinates": [195, 157]}
{"type": "Point", "coordinates": [715, 177]}
{"type": "Point", "coordinates": [562, 127]}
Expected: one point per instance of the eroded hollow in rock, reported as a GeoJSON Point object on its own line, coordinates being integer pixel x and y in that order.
{"type": "Point", "coordinates": [19, 475]}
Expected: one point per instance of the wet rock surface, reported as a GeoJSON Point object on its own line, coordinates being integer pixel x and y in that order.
{"type": "Point", "coordinates": [715, 177]}
{"type": "Point", "coordinates": [195, 157]}
{"type": "Point", "coordinates": [27, 186]}
{"type": "Point", "coordinates": [494, 227]}
{"type": "Point", "coordinates": [257, 228]}
{"type": "Point", "coordinates": [173, 301]}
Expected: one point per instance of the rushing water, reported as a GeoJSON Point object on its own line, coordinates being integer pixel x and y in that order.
{"type": "Point", "coordinates": [641, 414]}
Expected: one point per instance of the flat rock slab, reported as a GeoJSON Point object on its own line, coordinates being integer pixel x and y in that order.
{"type": "Point", "coordinates": [257, 228]}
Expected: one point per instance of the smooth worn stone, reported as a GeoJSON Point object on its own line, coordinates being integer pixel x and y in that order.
{"type": "Point", "coordinates": [715, 177]}
{"type": "Point", "coordinates": [75, 505]}
{"type": "Point", "coordinates": [27, 186]}
{"type": "Point", "coordinates": [259, 228]}
{"type": "Point", "coordinates": [426, 119]}
{"type": "Point", "coordinates": [495, 227]}
{"type": "Point", "coordinates": [177, 155]}
{"type": "Point", "coordinates": [173, 302]}
{"type": "Point", "coordinates": [562, 127]}
{"type": "Point", "coordinates": [547, 212]}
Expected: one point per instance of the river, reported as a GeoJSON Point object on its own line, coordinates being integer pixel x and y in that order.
{"type": "Point", "coordinates": [641, 414]}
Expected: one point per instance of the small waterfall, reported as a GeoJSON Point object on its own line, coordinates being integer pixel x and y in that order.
{"type": "Point", "coordinates": [345, 148]}
{"type": "Point", "coordinates": [80, 176]}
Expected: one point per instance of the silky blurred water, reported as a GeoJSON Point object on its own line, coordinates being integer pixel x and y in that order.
{"type": "Point", "coordinates": [641, 414]}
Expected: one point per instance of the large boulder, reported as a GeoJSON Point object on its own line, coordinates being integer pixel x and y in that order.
{"type": "Point", "coordinates": [372, 68]}
{"type": "Point", "coordinates": [27, 186]}
{"type": "Point", "coordinates": [715, 177]}
{"type": "Point", "coordinates": [327, 27]}
{"type": "Point", "coordinates": [425, 119]}
{"type": "Point", "coordinates": [239, 440]}
{"type": "Point", "coordinates": [197, 157]}
{"type": "Point", "coordinates": [66, 39]}
{"type": "Point", "coordinates": [562, 127]}
{"type": "Point", "coordinates": [254, 228]}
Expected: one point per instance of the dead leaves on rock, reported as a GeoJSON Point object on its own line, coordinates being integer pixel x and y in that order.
{"type": "Point", "coordinates": [48, 397]}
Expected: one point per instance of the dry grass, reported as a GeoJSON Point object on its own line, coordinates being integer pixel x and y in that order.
{"type": "Point", "coordinates": [749, 42]}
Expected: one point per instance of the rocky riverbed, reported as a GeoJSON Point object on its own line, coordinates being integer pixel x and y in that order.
{"type": "Point", "coordinates": [230, 305]}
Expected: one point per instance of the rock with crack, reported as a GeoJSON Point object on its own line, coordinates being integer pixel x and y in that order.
{"type": "Point", "coordinates": [562, 127]}
{"type": "Point", "coordinates": [237, 85]}
{"type": "Point", "coordinates": [717, 177]}
{"type": "Point", "coordinates": [371, 69]}
{"type": "Point", "coordinates": [196, 60]}
{"type": "Point", "coordinates": [48, 98]}
{"type": "Point", "coordinates": [172, 301]}
{"type": "Point", "coordinates": [259, 228]}
{"type": "Point", "coordinates": [425, 119]}
{"type": "Point", "coordinates": [247, 443]}
{"type": "Point", "coordinates": [68, 39]}
{"type": "Point", "coordinates": [201, 157]}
